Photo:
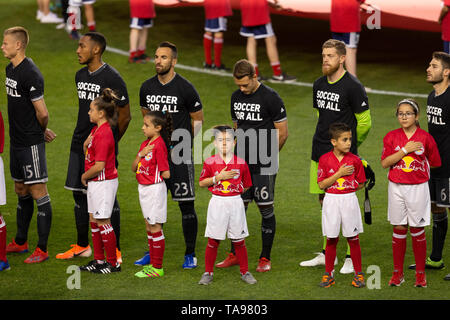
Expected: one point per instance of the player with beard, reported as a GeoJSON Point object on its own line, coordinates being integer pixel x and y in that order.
{"type": "Point", "coordinates": [90, 82]}
{"type": "Point", "coordinates": [167, 91]}
{"type": "Point", "coordinates": [338, 96]}
{"type": "Point", "coordinates": [28, 118]}
{"type": "Point", "coordinates": [438, 116]}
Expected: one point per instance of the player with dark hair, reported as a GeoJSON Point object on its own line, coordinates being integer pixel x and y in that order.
{"type": "Point", "coordinates": [259, 115]}
{"type": "Point", "coordinates": [167, 91]}
{"type": "Point", "coordinates": [438, 116]}
{"type": "Point", "coordinates": [338, 96]}
{"type": "Point", "coordinates": [340, 174]}
{"type": "Point", "coordinates": [90, 82]}
{"type": "Point", "coordinates": [28, 118]}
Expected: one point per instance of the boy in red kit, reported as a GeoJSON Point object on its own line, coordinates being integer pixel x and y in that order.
{"type": "Point", "coordinates": [444, 21]}
{"type": "Point", "coordinates": [151, 166]}
{"type": "Point", "coordinates": [216, 12]}
{"type": "Point", "coordinates": [256, 24]}
{"type": "Point", "coordinates": [341, 174]}
{"type": "Point", "coordinates": [226, 176]}
{"type": "Point", "coordinates": [101, 180]}
{"type": "Point", "coordinates": [345, 25]}
{"type": "Point", "coordinates": [4, 265]}
{"type": "Point", "coordinates": [142, 13]}
{"type": "Point", "coordinates": [409, 152]}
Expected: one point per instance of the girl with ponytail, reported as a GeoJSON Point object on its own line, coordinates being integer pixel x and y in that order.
{"type": "Point", "coordinates": [101, 180]}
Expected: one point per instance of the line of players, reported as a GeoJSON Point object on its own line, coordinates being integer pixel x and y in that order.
{"type": "Point", "coordinates": [337, 96]}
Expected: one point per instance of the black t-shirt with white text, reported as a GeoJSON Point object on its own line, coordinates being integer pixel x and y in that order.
{"type": "Point", "coordinates": [24, 84]}
{"type": "Point", "coordinates": [336, 102]}
{"type": "Point", "coordinates": [258, 112]}
{"type": "Point", "coordinates": [438, 117]}
{"type": "Point", "coordinates": [178, 97]}
{"type": "Point", "coordinates": [89, 86]}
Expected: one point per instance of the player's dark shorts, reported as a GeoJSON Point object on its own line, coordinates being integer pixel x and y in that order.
{"type": "Point", "coordinates": [28, 164]}
{"type": "Point", "coordinates": [181, 182]}
{"type": "Point", "coordinates": [141, 23]}
{"type": "Point", "coordinates": [440, 191]}
{"type": "Point", "coordinates": [216, 25]}
{"type": "Point", "coordinates": [262, 190]}
{"type": "Point", "coordinates": [75, 171]}
{"type": "Point", "coordinates": [351, 39]}
{"type": "Point", "coordinates": [447, 46]}
{"type": "Point", "coordinates": [258, 32]}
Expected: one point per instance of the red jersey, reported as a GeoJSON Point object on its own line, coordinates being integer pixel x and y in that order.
{"type": "Point", "coordinates": [413, 168]}
{"type": "Point", "coordinates": [254, 12]}
{"type": "Point", "coordinates": [329, 165]}
{"type": "Point", "coordinates": [217, 8]}
{"type": "Point", "coordinates": [231, 187]}
{"type": "Point", "coordinates": [446, 23]}
{"type": "Point", "coordinates": [142, 9]}
{"type": "Point", "coordinates": [345, 16]}
{"type": "Point", "coordinates": [102, 148]}
{"type": "Point", "coordinates": [150, 167]}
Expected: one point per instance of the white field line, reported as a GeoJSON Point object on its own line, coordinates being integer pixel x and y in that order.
{"type": "Point", "coordinates": [296, 83]}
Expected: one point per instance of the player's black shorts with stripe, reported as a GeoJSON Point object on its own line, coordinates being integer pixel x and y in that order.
{"type": "Point", "coordinates": [440, 191]}
{"type": "Point", "coordinates": [28, 164]}
{"type": "Point", "coordinates": [75, 169]}
{"type": "Point", "coordinates": [262, 189]}
{"type": "Point", "coordinates": [181, 182]}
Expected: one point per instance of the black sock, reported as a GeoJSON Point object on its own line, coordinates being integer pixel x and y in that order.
{"type": "Point", "coordinates": [25, 208]}
{"type": "Point", "coordinates": [268, 227]}
{"type": "Point", "coordinates": [115, 222]}
{"type": "Point", "coordinates": [44, 221]}
{"type": "Point", "coordinates": [81, 218]}
{"type": "Point", "coordinates": [190, 225]}
{"type": "Point", "coordinates": [440, 226]}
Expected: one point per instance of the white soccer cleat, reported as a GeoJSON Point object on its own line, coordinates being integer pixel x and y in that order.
{"type": "Point", "coordinates": [319, 260]}
{"type": "Point", "coordinates": [347, 267]}
{"type": "Point", "coordinates": [51, 18]}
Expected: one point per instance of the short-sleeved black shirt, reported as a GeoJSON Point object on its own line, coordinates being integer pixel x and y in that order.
{"type": "Point", "coordinates": [24, 84]}
{"type": "Point", "coordinates": [89, 86]}
{"type": "Point", "coordinates": [178, 97]}
{"type": "Point", "coordinates": [438, 117]}
{"type": "Point", "coordinates": [336, 102]}
{"type": "Point", "coordinates": [257, 111]}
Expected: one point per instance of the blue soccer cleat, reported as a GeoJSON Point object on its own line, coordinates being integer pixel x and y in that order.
{"type": "Point", "coordinates": [190, 261]}
{"type": "Point", "coordinates": [4, 265]}
{"type": "Point", "coordinates": [145, 260]}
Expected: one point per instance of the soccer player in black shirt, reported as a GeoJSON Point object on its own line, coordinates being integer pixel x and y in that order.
{"type": "Point", "coordinates": [338, 96]}
{"type": "Point", "coordinates": [167, 91]}
{"type": "Point", "coordinates": [438, 116]}
{"type": "Point", "coordinates": [28, 118]}
{"type": "Point", "coordinates": [260, 120]}
{"type": "Point", "coordinates": [90, 82]}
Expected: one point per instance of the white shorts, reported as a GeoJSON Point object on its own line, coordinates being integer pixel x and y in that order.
{"type": "Point", "coordinates": [226, 217]}
{"type": "Point", "coordinates": [153, 200]}
{"type": "Point", "coordinates": [2, 183]}
{"type": "Point", "coordinates": [341, 209]}
{"type": "Point", "coordinates": [101, 196]}
{"type": "Point", "coordinates": [409, 204]}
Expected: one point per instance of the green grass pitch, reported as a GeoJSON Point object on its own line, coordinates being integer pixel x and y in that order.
{"type": "Point", "coordinates": [388, 60]}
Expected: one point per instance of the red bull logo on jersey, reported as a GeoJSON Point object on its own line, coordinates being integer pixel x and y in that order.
{"type": "Point", "coordinates": [409, 164]}
{"type": "Point", "coordinates": [227, 187]}
{"type": "Point", "coordinates": [142, 170]}
{"type": "Point", "coordinates": [342, 184]}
